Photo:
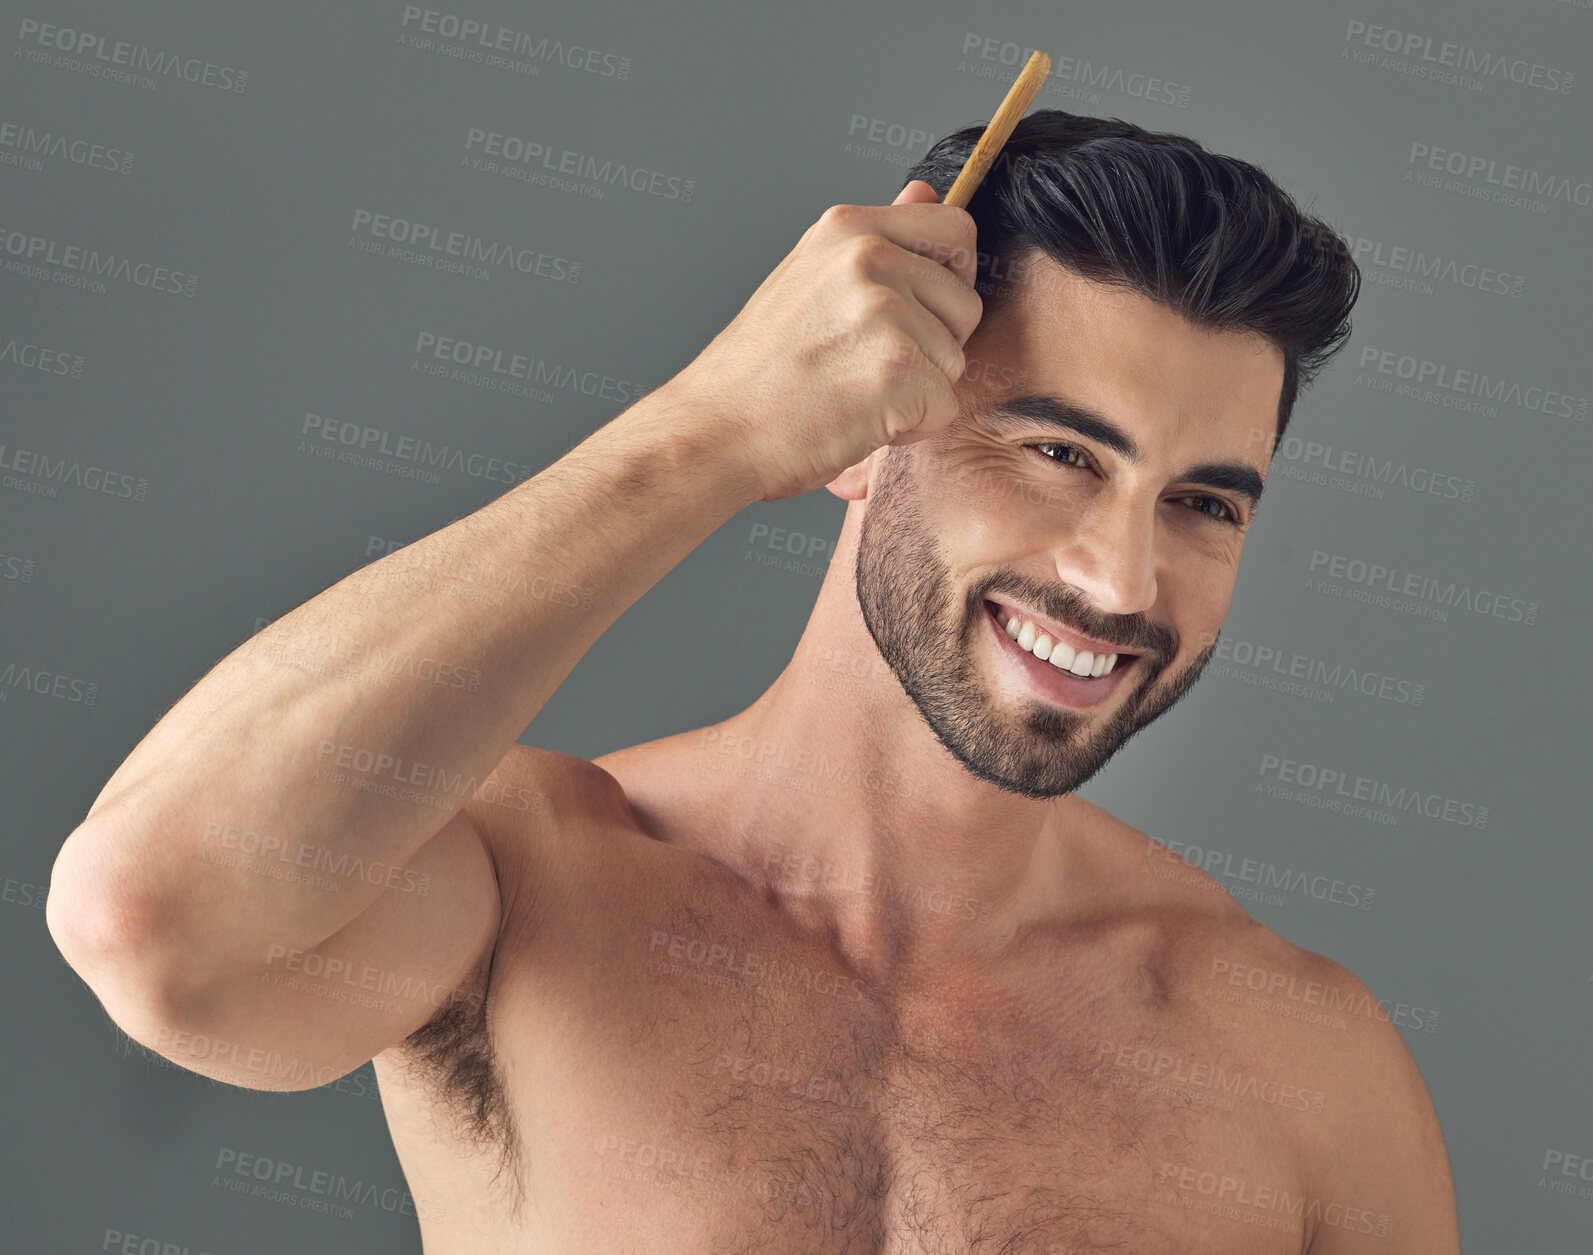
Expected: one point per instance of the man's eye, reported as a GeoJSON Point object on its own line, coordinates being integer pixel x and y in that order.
{"type": "Point", "coordinates": [1225, 512]}
{"type": "Point", "coordinates": [1057, 444]}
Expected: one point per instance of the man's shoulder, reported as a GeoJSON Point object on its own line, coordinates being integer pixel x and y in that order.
{"type": "Point", "coordinates": [540, 786]}
{"type": "Point", "coordinates": [540, 813]}
{"type": "Point", "coordinates": [1376, 1149]}
{"type": "Point", "coordinates": [1226, 955]}
{"type": "Point", "coordinates": [1151, 876]}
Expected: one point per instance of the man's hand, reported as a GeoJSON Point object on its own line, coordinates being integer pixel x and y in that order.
{"type": "Point", "coordinates": [854, 341]}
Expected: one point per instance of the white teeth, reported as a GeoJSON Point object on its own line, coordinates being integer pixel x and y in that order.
{"type": "Point", "coordinates": [1082, 663]}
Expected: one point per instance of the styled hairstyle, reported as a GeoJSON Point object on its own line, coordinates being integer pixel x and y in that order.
{"type": "Point", "coordinates": [1211, 237]}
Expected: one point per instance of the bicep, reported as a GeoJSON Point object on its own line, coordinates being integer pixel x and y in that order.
{"type": "Point", "coordinates": [307, 1017]}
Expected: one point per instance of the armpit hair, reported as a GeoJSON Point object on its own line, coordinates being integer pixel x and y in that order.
{"type": "Point", "coordinates": [452, 1054]}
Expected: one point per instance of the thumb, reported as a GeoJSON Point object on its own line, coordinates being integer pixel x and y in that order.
{"type": "Point", "coordinates": [917, 192]}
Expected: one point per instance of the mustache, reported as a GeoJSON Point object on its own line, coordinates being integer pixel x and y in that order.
{"type": "Point", "coordinates": [1134, 632]}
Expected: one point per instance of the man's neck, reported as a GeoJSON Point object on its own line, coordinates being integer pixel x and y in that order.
{"type": "Point", "coordinates": [844, 808]}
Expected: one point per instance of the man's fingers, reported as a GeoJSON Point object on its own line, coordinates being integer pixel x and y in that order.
{"type": "Point", "coordinates": [936, 344]}
{"type": "Point", "coordinates": [955, 303]}
{"type": "Point", "coordinates": [943, 233]}
{"type": "Point", "coordinates": [916, 192]}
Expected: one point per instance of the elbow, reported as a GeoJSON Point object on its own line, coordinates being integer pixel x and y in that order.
{"type": "Point", "coordinates": [119, 952]}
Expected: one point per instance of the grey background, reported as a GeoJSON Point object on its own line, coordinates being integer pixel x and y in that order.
{"type": "Point", "coordinates": [203, 398]}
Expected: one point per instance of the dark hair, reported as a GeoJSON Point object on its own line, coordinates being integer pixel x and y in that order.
{"type": "Point", "coordinates": [1211, 237]}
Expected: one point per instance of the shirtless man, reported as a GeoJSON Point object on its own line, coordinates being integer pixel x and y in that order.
{"type": "Point", "coordinates": [853, 970]}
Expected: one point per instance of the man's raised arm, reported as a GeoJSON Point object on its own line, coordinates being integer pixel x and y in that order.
{"type": "Point", "coordinates": [296, 817]}
{"type": "Point", "coordinates": [274, 832]}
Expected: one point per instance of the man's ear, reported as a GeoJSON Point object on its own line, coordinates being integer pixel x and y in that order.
{"type": "Point", "coordinates": [852, 483]}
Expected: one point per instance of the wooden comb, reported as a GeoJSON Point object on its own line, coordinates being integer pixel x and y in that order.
{"type": "Point", "coordinates": [991, 142]}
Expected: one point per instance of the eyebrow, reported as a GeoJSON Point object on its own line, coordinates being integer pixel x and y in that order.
{"type": "Point", "coordinates": [1235, 477]}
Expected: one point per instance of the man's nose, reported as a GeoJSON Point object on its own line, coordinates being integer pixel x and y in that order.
{"type": "Point", "coordinates": [1109, 555]}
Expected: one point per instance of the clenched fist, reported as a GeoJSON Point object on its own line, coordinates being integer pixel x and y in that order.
{"type": "Point", "coordinates": [853, 342]}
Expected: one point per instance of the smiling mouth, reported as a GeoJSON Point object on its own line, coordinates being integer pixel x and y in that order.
{"type": "Point", "coordinates": [1037, 641]}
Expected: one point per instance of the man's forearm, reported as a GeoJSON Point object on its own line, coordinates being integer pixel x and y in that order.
{"type": "Point", "coordinates": [345, 734]}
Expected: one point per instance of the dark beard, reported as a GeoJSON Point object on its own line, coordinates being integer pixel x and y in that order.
{"type": "Point", "coordinates": [909, 605]}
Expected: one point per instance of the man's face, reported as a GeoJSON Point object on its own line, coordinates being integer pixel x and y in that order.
{"type": "Point", "coordinates": [1016, 510]}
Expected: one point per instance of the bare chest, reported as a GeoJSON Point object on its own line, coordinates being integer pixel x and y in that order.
{"type": "Point", "coordinates": [683, 1076]}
